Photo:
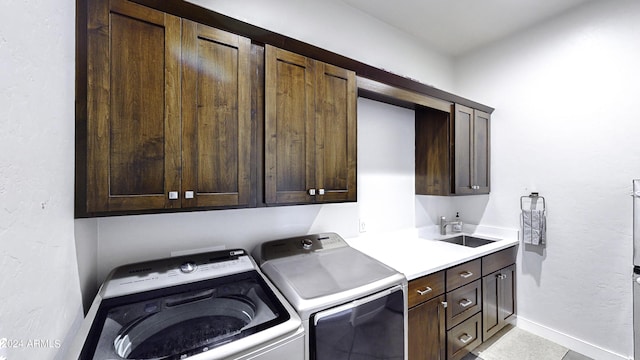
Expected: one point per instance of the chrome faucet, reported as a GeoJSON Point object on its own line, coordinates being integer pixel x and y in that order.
{"type": "Point", "coordinates": [444, 223]}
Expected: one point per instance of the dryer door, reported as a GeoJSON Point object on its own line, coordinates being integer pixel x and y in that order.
{"type": "Point", "coordinates": [178, 322]}
{"type": "Point", "coordinates": [369, 328]}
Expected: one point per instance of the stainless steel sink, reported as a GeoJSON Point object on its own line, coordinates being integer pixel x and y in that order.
{"type": "Point", "coordinates": [469, 241]}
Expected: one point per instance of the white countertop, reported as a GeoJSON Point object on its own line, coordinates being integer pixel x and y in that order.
{"type": "Point", "coordinates": [418, 252]}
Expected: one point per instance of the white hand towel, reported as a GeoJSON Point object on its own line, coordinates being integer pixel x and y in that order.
{"type": "Point", "coordinates": [533, 227]}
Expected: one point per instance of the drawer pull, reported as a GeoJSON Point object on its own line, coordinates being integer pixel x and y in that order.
{"type": "Point", "coordinates": [465, 338]}
{"type": "Point", "coordinates": [465, 302]}
{"type": "Point", "coordinates": [425, 291]}
{"type": "Point", "coordinates": [466, 274]}
{"type": "Point", "coordinates": [501, 276]}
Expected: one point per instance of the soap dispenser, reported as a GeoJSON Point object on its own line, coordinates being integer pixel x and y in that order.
{"type": "Point", "coordinates": [457, 224]}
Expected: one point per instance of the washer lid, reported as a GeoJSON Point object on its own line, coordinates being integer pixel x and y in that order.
{"type": "Point", "coordinates": [328, 272]}
{"type": "Point", "coordinates": [181, 321]}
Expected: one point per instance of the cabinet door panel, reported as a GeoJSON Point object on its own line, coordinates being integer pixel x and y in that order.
{"type": "Point", "coordinates": [498, 300]}
{"type": "Point", "coordinates": [217, 141]}
{"type": "Point", "coordinates": [507, 293]}
{"type": "Point", "coordinates": [481, 131]}
{"type": "Point", "coordinates": [490, 316]}
{"type": "Point", "coordinates": [133, 107]}
{"type": "Point", "coordinates": [336, 133]}
{"type": "Point", "coordinates": [463, 126]}
{"type": "Point", "coordinates": [427, 333]}
{"type": "Point", "coordinates": [289, 127]}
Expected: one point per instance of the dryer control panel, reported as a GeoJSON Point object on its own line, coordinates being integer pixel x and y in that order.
{"type": "Point", "coordinates": [300, 245]}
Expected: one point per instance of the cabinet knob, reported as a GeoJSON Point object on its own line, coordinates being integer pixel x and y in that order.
{"type": "Point", "coordinates": [188, 194]}
{"type": "Point", "coordinates": [312, 192]}
{"type": "Point", "coordinates": [173, 195]}
{"type": "Point", "coordinates": [320, 191]}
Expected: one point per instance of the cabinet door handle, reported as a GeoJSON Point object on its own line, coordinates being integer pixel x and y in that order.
{"type": "Point", "coordinates": [312, 192]}
{"type": "Point", "coordinates": [444, 304]}
{"type": "Point", "coordinates": [189, 194]}
{"type": "Point", "coordinates": [466, 274]}
{"type": "Point", "coordinates": [501, 276]}
{"type": "Point", "coordinates": [465, 302]}
{"type": "Point", "coordinates": [465, 338]}
{"type": "Point", "coordinates": [173, 195]}
{"type": "Point", "coordinates": [425, 291]}
{"type": "Point", "coordinates": [320, 191]}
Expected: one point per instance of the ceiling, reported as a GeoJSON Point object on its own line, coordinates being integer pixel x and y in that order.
{"type": "Point", "coordinates": [454, 27]}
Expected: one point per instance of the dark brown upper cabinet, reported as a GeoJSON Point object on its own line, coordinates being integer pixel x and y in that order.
{"type": "Point", "coordinates": [310, 130]}
{"type": "Point", "coordinates": [168, 121]}
{"type": "Point", "coordinates": [452, 152]}
{"type": "Point", "coordinates": [216, 116]}
{"type": "Point", "coordinates": [471, 144]}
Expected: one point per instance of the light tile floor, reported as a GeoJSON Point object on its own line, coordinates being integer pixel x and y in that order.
{"type": "Point", "coordinates": [571, 355]}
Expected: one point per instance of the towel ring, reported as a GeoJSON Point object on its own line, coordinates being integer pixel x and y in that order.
{"type": "Point", "coordinates": [532, 196]}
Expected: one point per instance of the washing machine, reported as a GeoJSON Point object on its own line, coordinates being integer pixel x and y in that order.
{"type": "Point", "coordinates": [215, 305]}
{"type": "Point", "coordinates": [352, 306]}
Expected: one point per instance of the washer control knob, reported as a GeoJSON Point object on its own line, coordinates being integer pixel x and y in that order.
{"type": "Point", "coordinates": [307, 244]}
{"type": "Point", "coordinates": [188, 267]}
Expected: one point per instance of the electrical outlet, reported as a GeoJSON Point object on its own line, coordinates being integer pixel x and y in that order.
{"type": "Point", "coordinates": [363, 226]}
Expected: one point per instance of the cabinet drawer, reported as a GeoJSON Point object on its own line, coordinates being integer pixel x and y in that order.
{"type": "Point", "coordinates": [463, 302]}
{"type": "Point", "coordinates": [464, 337]}
{"type": "Point", "coordinates": [463, 274]}
{"type": "Point", "coordinates": [499, 260]}
{"type": "Point", "coordinates": [425, 288]}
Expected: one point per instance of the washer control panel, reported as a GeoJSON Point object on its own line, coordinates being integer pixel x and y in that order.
{"type": "Point", "coordinates": [156, 274]}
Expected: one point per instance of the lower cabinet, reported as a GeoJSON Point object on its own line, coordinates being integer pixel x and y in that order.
{"type": "Point", "coordinates": [454, 310]}
{"type": "Point", "coordinates": [498, 300]}
{"type": "Point", "coordinates": [427, 312]}
{"type": "Point", "coordinates": [427, 333]}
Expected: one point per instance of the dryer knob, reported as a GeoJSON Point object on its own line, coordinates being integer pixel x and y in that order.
{"type": "Point", "coordinates": [307, 244]}
{"type": "Point", "coordinates": [188, 267]}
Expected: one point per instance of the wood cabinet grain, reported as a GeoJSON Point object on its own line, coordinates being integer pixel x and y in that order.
{"type": "Point", "coordinates": [133, 111]}
{"type": "Point", "coordinates": [452, 151]}
{"type": "Point", "coordinates": [427, 333]}
{"type": "Point", "coordinates": [310, 130]}
{"type": "Point", "coordinates": [216, 117]}
{"type": "Point", "coordinates": [168, 122]}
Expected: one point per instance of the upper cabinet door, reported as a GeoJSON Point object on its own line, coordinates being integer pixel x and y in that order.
{"type": "Point", "coordinates": [481, 151]}
{"type": "Point", "coordinates": [463, 144]}
{"type": "Point", "coordinates": [310, 130]}
{"type": "Point", "coordinates": [471, 129]}
{"type": "Point", "coordinates": [336, 135]}
{"type": "Point", "coordinates": [133, 147]}
{"type": "Point", "coordinates": [289, 127]}
{"type": "Point", "coordinates": [216, 115]}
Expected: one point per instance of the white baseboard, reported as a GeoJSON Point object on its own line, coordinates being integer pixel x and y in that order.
{"type": "Point", "coordinates": [568, 341]}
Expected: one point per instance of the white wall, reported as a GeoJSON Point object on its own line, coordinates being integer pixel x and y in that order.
{"type": "Point", "coordinates": [565, 125]}
{"type": "Point", "coordinates": [39, 289]}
